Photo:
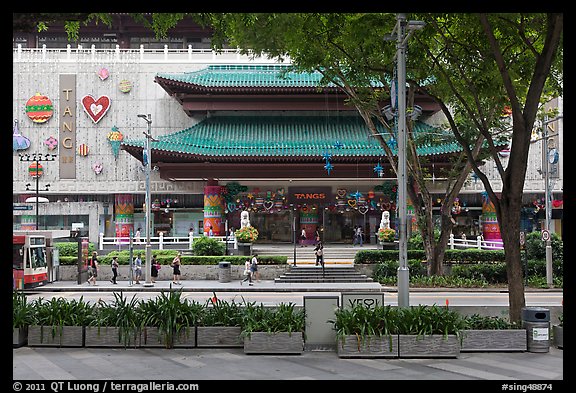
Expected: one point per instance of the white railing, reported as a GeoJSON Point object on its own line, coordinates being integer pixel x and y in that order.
{"type": "Point", "coordinates": [161, 241]}
{"type": "Point", "coordinates": [141, 55]}
{"type": "Point", "coordinates": [478, 243]}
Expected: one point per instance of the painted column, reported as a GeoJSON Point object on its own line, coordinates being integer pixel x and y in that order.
{"type": "Point", "coordinates": [213, 208]}
{"type": "Point", "coordinates": [124, 219]}
{"type": "Point", "coordinates": [490, 227]}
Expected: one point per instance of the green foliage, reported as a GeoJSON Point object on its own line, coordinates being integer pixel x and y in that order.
{"type": "Point", "coordinates": [282, 318]}
{"type": "Point", "coordinates": [247, 234]}
{"type": "Point", "coordinates": [363, 321]}
{"type": "Point", "coordinates": [218, 312]}
{"type": "Point", "coordinates": [424, 320]}
{"type": "Point", "coordinates": [122, 313]}
{"type": "Point", "coordinates": [170, 314]}
{"type": "Point", "coordinates": [205, 245]}
{"type": "Point", "coordinates": [484, 322]}
{"type": "Point", "coordinates": [536, 248]}
{"type": "Point", "coordinates": [59, 311]}
{"type": "Point", "coordinates": [70, 249]}
{"type": "Point", "coordinates": [22, 310]}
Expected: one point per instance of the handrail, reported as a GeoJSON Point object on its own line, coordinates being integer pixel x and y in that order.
{"type": "Point", "coordinates": [478, 243]}
{"type": "Point", "coordinates": [160, 241]}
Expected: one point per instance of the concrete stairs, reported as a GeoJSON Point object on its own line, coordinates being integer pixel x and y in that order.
{"type": "Point", "coordinates": [315, 274]}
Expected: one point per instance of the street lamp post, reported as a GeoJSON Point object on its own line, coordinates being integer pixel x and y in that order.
{"type": "Point", "coordinates": [37, 158]}
{"type": "Point", "coordinates": [148, 163]}
{"type": "Point", "coordinates": [401, 43]}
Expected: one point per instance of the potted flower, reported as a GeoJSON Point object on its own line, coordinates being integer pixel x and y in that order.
{"type": "Point", "coordinates": [386, 238]}
{"type": "Point", "coordinates": [220, 324]}
{"type": "Point", "coordinates": [273, 330]}
{"type": "Point", "coordinates": [487, 333]}
{"type": "Point", "coordinates": [247, 234]}
{"type": "Point", "coordinates": [59, 322]}
{"type": "Point", "coordinates": [21, 318]}
{"type": "Point", "coordinates": [366, 332]}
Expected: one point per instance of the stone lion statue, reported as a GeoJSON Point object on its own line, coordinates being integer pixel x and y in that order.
{"type": "Point", "coordinates": [385, 222]}
{"type": "Point", "coordinates": [244, 219]}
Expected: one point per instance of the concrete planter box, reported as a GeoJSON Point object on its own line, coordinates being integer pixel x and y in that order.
{"type": "Point", "coordinates": [110, 336]}
{"type": "Point", "coordinates": [150, 337]}
{"type": "Point", "coordinates": [55, 336]}
{"type": "Point", "coordinates": [219, 336]}
{"type": "Point", "coordinates": [434, 346]}
{"type": "Point", "coordinates": [558, 336]}
{"type": "Point", "coordinates": [274, 343]}
{"type": "Point", "coordinates": [493, 340]}
{"type": "Point", "coordinates": [19, 336]}
{"type": "Point", "coordinates": [368, 347]}
{"type": "Point", "coordinates": [185, 338]}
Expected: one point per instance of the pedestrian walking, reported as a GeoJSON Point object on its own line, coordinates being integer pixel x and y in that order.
{"type": "Point", "coordinates": [93, 268]}
{"type": "Point", "coordinates": [254, 267]}
{"type": "Point", "coordinates": [176, 269]}
{"type": "Point", "coordinates": [138, 268]}
{"type": "Point", "coordinates": [359, 235]}
{"type": "Point", "coordinates": [317, 235]}
{"type": "Point", "coordinates": [137, 235]}
{"type": "Point", "coordinates": [154, 267]}
{"type": "Point", "coordinates": [247, 273]}
{"type": "Point", "coordinates": [114, 265]}
{"type": "Point", "coordinates": [302, 237]}
{"type": "Point", "coordinates": [319, 252]}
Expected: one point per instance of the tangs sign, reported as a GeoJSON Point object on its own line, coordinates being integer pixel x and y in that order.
{"type": "Point", "coordinates": [299, 195]}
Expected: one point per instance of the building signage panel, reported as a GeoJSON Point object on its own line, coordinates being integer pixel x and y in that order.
{"type": "Point", "coordinates": [310, 195]}
{"type": "Point", "coordinates": [67, 126]}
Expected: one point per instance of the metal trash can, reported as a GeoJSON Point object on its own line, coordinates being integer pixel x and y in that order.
{"type": "Point", "coordinates": [536, 321]}
{"type": "Point", "coordinates": [224, 274]}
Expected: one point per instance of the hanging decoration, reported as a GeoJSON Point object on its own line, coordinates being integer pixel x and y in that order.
{"type": "Point", "coordinates": [97, 167]}
{"type": "Point", "coordinates": [456, 208]}
{"type": "Point", "coordinates": [125, 86]}
{"type": "Point", "coordinates": [35, 170]}
{"type": "Point", "coordinates": [83, 150]}
{"type": "Point", "coordinates": [39, 108]}
{"type": "Point", "coordinates": [539, 204]}
{"type": "Point", "coordinates": [338, 145]}
{"type": "Point", "coordinates": [115, 139]}
{"type": "Point", "coordinates": [19, 142]}
{"type": "Point", "coordinates": [96, 108]}
{"type": "Point", "coordinates": [51, 142]}
{"type": "Point", "coordinates": [103, 73]}
{"type": "Point", "coordinates": [329, 167]}
{"type": "Point", "coordinates": [379, 169]}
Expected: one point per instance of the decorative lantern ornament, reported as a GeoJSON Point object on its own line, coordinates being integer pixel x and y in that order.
{"type": "Point", "coordinates": [125, 86]}
{"type": "Point", "coordinates": [83, 150]}
{"type": "Point", "coordinates": [35, 170]}
{"type": "Point", "coordinates": [115, 138]}
{"type": "Point", "coordinates": [39, 108]}
{"type": "Point", "coordinates": [96, 108]}
{"type": "Point", "coordinates": [103, 73]}
{"type": "Point", "coordinates": [19, 142]}
{"type": "Point", "coordinates": [51, 142]}
{"type": "Point", "coordinates": [97, 167]}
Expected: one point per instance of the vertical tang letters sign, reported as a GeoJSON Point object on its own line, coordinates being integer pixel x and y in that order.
{"type": "Point", "coordinates": [67, 126]}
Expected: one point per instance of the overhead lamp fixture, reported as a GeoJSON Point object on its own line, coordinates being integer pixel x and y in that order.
{"type": "Point", "coordinates": [388, 112]}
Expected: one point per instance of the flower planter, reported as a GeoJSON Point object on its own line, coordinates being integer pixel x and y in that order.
{"type": "Point", "coordinates": [558, 336]}
{"type": "Point", "coordinates": [19, 336]}
{"type": "Point", "coordinates": [274, 343]}
{"type": "Point", "coordinates": [151, 337]}
{"type": "Point", "coordinates": [110, 336]}
{"type": "Point", "coordinates": [185, 338]}
{"type": "Point", "coordinates": [368, 347]}
{"type": "Point", "coordinates": [219, 336]}
{"type": "Point", "coordinates": [245, 249]}
{"type": "Point", "coordinates": [492, 340]}
{"type": "Point", "coordinates": [388, 245]}
{"type": "Point", "coordinates": [433, 346]}
{"type": "Point", "coordinates": [55, 336]}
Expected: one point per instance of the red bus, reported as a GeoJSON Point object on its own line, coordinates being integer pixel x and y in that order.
{"type": "Point", "coordinates": [29, 263]}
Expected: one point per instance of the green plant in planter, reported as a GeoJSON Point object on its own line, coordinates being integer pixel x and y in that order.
{"type": "Point", "coordinates": [59, 312]}
{"type": "Point", "coordinates": [247, 234]}
{"type": "Point", "coordinates": [122, 313]}
{"type": "Point", "coordinates": [483, 322]}
{"type": "Point", "coordinates": [425, 320]}
{"type": "Point", "coordinates": [386, 234]}
{"type": "Point", "coordinates": [217, 312]}
{"type": "Point", "coordinates": [22, 310]}
{"type": "Point", "coordinates": [283, 318]}
{"type": "Point", "coordinates": [170, 314]}
{"type": "Point", "coordinates": [362, 321]}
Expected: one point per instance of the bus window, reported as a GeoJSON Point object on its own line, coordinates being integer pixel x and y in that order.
{"type": "Point", "coordinates": [17, 257]}
{"type": "Point", "coordinates": [38, 257]}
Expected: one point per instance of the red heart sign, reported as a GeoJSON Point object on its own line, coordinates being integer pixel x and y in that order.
{"type": "Point", "coordinates": [96, 109]}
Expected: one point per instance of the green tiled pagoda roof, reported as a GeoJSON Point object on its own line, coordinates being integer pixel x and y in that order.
{"type": "Point", "coordinates": [235, 76]}
{"type": "Point", "coordinates": [288, 136]}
